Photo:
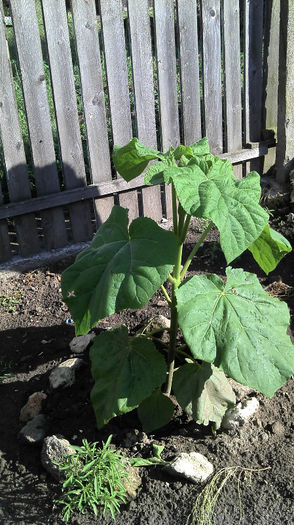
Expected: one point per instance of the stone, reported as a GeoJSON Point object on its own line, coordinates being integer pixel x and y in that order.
{"type": "Point", "coordinates": [240, 414]}
{"type": "Point", "coordinates": [35, 430]}
{"type": "Point", "coordinates": [193, 466]}
{"type": "Point", "coordinates": [79, 344]}
{"type": "Point", "coordinates": [33, 407]}
{"type": "Point", "coordinates": [278, 428]}
{"type": "Point", "coordinates": [63, 375]}
{"type": "Point", "coordinates": [159, 322]}
{"type": "Point", "coordinates": [132, 482]}
{"type": "Point", "coordinates": [54, 449]}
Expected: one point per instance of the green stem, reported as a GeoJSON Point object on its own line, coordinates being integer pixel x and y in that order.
{"type": "Point", "coordinates": [174, 322]}
{"type": "Point", "coordinates": [195, 250]}
{"type": "Point", "coordinates": [182, 215]}
{"type": "Point", "coordinates": [175, 215]}
{"type": "Point", "coordinates": [165, 294]}
{"type": "Point", "coordinates": [185, 228]}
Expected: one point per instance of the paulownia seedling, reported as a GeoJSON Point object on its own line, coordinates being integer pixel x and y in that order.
{"type": "Point", "coordinates": [231, 329]}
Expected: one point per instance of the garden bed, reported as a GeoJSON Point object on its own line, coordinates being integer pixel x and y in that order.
{"type": "Point", "coordinates": [35, 339]}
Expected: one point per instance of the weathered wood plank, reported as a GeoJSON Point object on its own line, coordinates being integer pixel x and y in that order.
{"type": "Point", "coordinates": [116, 67]}
{"type": "Point", "coordinates": [56, 28]}
{"type": "Point", "coordinates": [167, 73]}
{"type": "Point", "coordinates": [5, 251]}
{"type": "Point", "coordinates": [271, 68]}
{"type": "Point", "coordinates": [130, 200]}
{"type": "Point", "coordinates": [285, 145]}
{"type": "Point", "coordinates": [212, 74]}
{"type": "Point", "coordinates": [103, 209]}
{"type": "Point", "coordinates": [34, 88]}
{"type": "Point", "coordinates": [233, 105]}
{"type": "Point", "coordinates": [189, 63]}
{"type": "Point", "coordinates": [88, 50]}
{"type": "Point", "coordinates": [253, 30]}
{"type": "Point", "coordinates": [142, 61]}
{"type": "Point", "coordinates": [13, 149]}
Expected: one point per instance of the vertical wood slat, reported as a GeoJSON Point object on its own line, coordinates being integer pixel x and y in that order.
{"type": "Point", "coordinates": [88, 51]}
{"type": "Point", "coordinates": [37, 109]}
{"type": "Point", "coordinates": [189, 62]}
{"type": "Point", "coordinates": [212, 73]}
{"type": "Point", "coordinates": [116, 67]}
{"type": "Point", "coordinates": [233, 78]}
{"type": "Point", "coordinates": [167, 73]}
{"type": "Point", "coordinates": [253, 29]}
{"type": "Point", "coordinates": [271, 67]}
{"type": "Point", "coordinates": [5, 251]}
{"type": "Point", "coordinates": [167, 80]}
{"type": "Point", "coordinates": [130, 200]}
{"type": "Point", "coordinates": [57, 35]}
{"type": "Point", "coordinates": [14, 155]}
{"type": "Point", "coordinates": [142, 61]}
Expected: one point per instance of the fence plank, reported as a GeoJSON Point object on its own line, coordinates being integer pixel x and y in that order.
{"type": "Point", "coordinates": [233, 78]}
{"type": "Point", "coordinates": [253, 30]}
{"type": "Point", "coordinates": [167, 73]}
{"type": "Point", "coordinates": [188, 36]}
{"type": "Point", "coordinates": [13, 149]}
{"type": "Point", "coordinates": [142, 61]}
{"type": "Point", "coordinates": [88, 50]}
{"type": "Point", "coordinates": [167, 80]}
{"type": "Point", "coordinates": [103, 209]}
{"type": "Point", "coordinates": [56, 28]}
{"type": "Point", "coordinates": [5, 251]}
{"type": "Point", "coordinates": [212, 73]}
{"type": "Point", "coordinates": [34, 88]}
{"type": "Point", "coordinates": [271, 68]}
{"type": "Point", "coordinates": [130, 200]}
{"type": "Point", "coordinates": [116, 66]}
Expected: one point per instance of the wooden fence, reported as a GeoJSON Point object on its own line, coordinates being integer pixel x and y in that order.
{"type": "Point", "coordinates": [75, 82]}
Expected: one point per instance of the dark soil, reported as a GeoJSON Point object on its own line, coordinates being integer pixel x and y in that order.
{"type": "Point", "coordinates": [35, 338]}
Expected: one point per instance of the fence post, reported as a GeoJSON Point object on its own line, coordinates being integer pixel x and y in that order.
{"type": "Point", "coordinates": [285, 146]}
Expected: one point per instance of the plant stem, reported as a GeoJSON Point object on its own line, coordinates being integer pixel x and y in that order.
{"type": "Point", "coordinates": [182, 215]}
{"type": "Point", "coordinates": [174, 322]}
{"type": "Point", "coordinates": [185, 228]}
{"type": "Point", "coordinates": [175, 215]}
{"type": "Point", "coordinates": [195, 250]}
{"type": "Point", "coordinates": [165, 294]}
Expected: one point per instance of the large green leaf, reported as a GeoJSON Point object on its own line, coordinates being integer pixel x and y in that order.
{"type": "Point", "coordinates": [154, 174]}
{"type": "Point", "coordinates": [201, 147]}
{"type": "Point", "coordinates": [121, 269]}
{"type": "Point", "coordinates": [204, 392]}
{"type": "Point", "coordinates": [269, 249]}
{"type": "Point", "coordinates": [233, 205]}
{"type": "Point", "coordinates": [131, 160]}
{"type": "Point", "coordinates": [155, 411]}
{"type": "Point", "coordinates": [238, 327]}
{"type": "Point", "coordinates": [125, 370]}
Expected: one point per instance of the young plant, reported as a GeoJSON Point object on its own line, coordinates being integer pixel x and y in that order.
{"type": "Point", "coordinates": [232, 328]}
{"type": "Point", "coordinates": [93, 477]}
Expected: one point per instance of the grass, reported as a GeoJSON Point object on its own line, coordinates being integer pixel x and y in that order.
{"type": "Point", "coordinates": [10, 302]}
{"type": "Point", "coordinates": [93, 478]}
{"type": "Point", "coordinates": [206, 501]}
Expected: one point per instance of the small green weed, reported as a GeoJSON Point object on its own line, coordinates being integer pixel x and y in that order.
{"type": "Point", "coordinates": [93, 477]}
{"type": "Point", "coordinates": [5, 370]}
{"type": "Point", "coordinates": [9, 302]}
{"type": "Point", "coordinates": [203, 508]}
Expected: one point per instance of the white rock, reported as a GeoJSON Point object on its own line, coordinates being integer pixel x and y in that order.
{"type": "Point", "coordinates": [33, 406]}
{"type": "Point", "coordinates": [159, 322]}
{"type": "Point", "coordinates": [192, 466]}
{"type": "Point", "coordinates": [234, 417]}
{"type": "Point", "coordinates": [80, 343]}
{"type": "Point", "coordinates": [64, 374]}
{"type": "Point", "coordinates": [54, 449]}
{"type": "Point", "coordinates": [35, 430]}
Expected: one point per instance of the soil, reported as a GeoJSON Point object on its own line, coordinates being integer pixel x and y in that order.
{"type": "Point", "coordinates": [35, 338]}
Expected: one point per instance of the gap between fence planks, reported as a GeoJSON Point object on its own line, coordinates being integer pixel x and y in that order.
{"type": "Point", "coordinates": [14, 155]}
{"type": "Point", "coordinates": [57, 35]}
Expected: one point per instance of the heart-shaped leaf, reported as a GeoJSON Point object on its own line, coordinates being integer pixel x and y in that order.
{"type": "Point", "coordinates": [125, 370]}
{"type": "Point", "coordinates": [269, 249]}
{"type": "Point", "coordinates": [155, 411]}
{"type": "Point", "coordinates": [131, 160]}
{"type": "Point", "coordinates": [232, 204]}
{"type": "Point", "coordinates": [231, 325]}
{"type": "Point", "coordinates": [204, 392]}
{"type": "Point", "coordinates": [121, 269]}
